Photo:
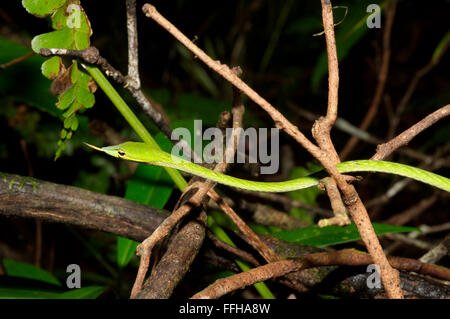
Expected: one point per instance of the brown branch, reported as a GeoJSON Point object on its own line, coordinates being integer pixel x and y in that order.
{"type": "Point", "coordinates": [438, 252]}
{"type": "Point", "coordinates": [384, 150]}
{"type": "Point", "coordinates": [382, 77]}
{"type": "Point", "coordinates": [15, 61]}
{"type": "Point", "coordinates": [340, 212]}
{"type": "Point", "coordinates": [226, 285]}
{"type": "Point", "coordinates": [175, 263]}
{"type": "Point", "coordinates": [342, 257]}
{"type": "Point", "coordinates": [133, 57]}
{"type": "Point", "coordinates": [245, 256]}
{"type": "Point", "coordinates": [329, 158]}
{"type": "Point", "coordinates": [32, 198]}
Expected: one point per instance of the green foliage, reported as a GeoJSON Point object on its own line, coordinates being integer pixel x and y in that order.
{"type": "Point", "coordinates": [16, 288]}
{"type": "Point", "coordinates": [72, 31]}
{"type": "Point", "coordinates": [90, 292]}
{"type": "Point", "coordinates": [23, 81]}
{"type": "Point", "coordinates": [25, 270]}
{"type": "Point", "coordinates": [333, 235]}
{"type": "Point", "coordinates": [442, 45]}
{"type": "Point", "coordinates": [42, 8]}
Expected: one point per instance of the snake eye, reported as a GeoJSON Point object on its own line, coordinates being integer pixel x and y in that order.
{"type": "Point", "coordinates": [121, 153]}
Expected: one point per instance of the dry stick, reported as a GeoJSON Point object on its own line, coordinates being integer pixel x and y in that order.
{"type": "Point", "coordinates": [245, 256]}
{"type": "Point", "coordinates": [341, 257]}
{"type": "Point", "coordinates": [133, 57]}
{"type": "Point", "coordinates": [439, 251]}
{"type": "Point", "coordinates": [226, 285]}
{"type": "Point", "coordinates": [172, 267]}
{"type": "Point", "coordinates": [321, 132]}
{"type": "Point", "coordinates": [340, 212]}
{"type": "Point", "coordinates": [15, 61]}
{"type": "Point", "coordinates": [357, 210]}
{"type": "Point", "coordinates": [384, 150]}
{"type": "Point", "coordinates": [382, 77]}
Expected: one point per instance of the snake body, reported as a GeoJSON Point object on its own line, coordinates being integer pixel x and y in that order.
{"type": "Point", "coordinates": [141, 152]}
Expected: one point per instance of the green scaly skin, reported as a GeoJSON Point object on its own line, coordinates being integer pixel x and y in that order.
{"type": "Point", "coordinates": [141, 152]}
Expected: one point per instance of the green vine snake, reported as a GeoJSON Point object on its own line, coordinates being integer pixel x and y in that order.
{"type": "Point", "coordinates": [142, 152]}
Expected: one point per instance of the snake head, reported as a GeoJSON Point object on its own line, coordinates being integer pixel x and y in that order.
{"type": "Point", "coordinates": [114, 151]}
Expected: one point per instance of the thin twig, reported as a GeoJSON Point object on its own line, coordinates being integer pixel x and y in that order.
{"type": "Point", "coordinates": [133, 57]}
{"type": "Point", "coordinates": [384, 150]}
{"type": "Point", "coordinates": [15, 61]}
{"type": "Point", "coordinates": [438, 252]}
{"type": "Point", "coordinates": [235, 251]}
{"type": "Point", "coordinates": [340, 212]}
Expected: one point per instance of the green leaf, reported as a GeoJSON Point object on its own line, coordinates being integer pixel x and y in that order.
{"type": "Point", "coordinates": [73, 35]}
{"type": "Point", "coordinates": [23, 80]}
{"type": "Point", "coordinates": [90, 292]}
{"type": "Point", "coordinates": [51, 67]}
{"type": "Point", "coordinates": [441, 46]}
{"type": "Point", "coordinates": [26, 293]}
{"type": "Point", "coordinates": [24, 270]}
{"type": "Point", "coordinates": [333, 235]}
{"type": "Point", "coordinates": [18, 288]}
{"type": "Point", "coordinates": [60, 39]}
{"type": "Point", "coordinates": [72, 31]}
{"type": "Point", "coordinates": [42, 8]}
{"type": "Point", "coordinates": [150, 185]}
